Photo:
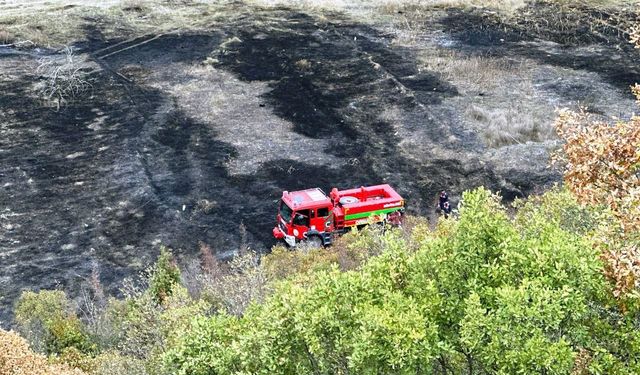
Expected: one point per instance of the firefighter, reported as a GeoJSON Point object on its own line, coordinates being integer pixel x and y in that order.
{"type": "Point", "coordinates": [444, 198]}
{"type": "Point", "coordinates": [446, 208]}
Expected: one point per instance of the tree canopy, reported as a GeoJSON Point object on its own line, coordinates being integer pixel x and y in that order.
{"type": "Point", "coordinates": [482, 294]}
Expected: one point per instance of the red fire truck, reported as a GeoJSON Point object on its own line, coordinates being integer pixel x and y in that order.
{"type": "Point", "coordinates": [311, 215]}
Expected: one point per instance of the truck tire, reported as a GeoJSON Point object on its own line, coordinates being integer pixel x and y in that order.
{"type": "Point", "coordinates": [315, 242]}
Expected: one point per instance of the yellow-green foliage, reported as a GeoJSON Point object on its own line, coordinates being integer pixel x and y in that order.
{"type": "Point", "coordinates": [178, 311]}
{"type": "Point", "coordinates": [282, 263]}
{"type": "Point", "coordinates": [163, 276]}
{"type": "Point", "coordinates": [48, 319]}
{"type": "Point", "coordinates": [485, 291]}
{"type": "Point", "coordinates": [75, 358]}
{"type": "Point", "coordinates": [113, 363]}
{"type": "Point", "coordinates": [43, 305]}
{"type": "Point", "coordinates": [347, 253]}
{"type": "Point", "coordinates": [488, 292]}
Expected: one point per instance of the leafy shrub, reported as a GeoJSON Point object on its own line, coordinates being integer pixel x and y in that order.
{"type": "Point", "coordinates": [482, 294]}
{"type": "Point", "coordinates": [113, 363]}
{"type": "Point", "coordinates": [47, 319]}
{"type": "Point", "coordinates": [68, 332]}
{"type": "Point", "coordinates": [16, 358]}
{"type": "Point", "coordinates": [163, 276]}
{"type": "Point", "coordinates": [75, 358]}
{"type": "Point", "coordinates": [601, 163]}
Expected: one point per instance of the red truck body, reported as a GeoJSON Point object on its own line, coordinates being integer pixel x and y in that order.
{"type": "Point", "coordinates": [312, 215]}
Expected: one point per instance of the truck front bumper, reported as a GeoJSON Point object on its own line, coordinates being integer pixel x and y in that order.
{"type": "Point", "coordinates": [279, 234]}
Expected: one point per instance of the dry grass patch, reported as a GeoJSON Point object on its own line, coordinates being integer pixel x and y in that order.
{"type": "Point", "coordinates": [134, 6]}
{"type": "Point", "coordinates": [472, 73]}
{"type": "Point", "coordinates": [50, 24]}
{"type": "Point", "coordinates": [415, 6]}
{"type": "Point", "coordinates": [386, 7]}
{"type": "Point", "coordinates": [510, 112]}
{"type": "Point", "coordinates": [516, 122]}
{"type": "Point", "coordinates": [498, 100]}
{"type": "Point", "coordinates": [409, 17]}
{"type": "Point", "coordinates": [45, 26]}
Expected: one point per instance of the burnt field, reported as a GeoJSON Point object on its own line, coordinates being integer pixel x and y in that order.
{"type": "Point", "coordinates": [186, 135]}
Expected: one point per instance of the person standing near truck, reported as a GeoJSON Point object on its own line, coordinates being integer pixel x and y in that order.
{"type": "Point", "coordinates": [443, 198]}
{"type": "Point", "coordinates": [446, 208]}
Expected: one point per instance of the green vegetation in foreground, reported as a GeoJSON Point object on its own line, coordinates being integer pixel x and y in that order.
{"type": "Point", "coordinates": [482, 294]}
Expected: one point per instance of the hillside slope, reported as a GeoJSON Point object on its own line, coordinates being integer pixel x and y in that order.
{"type": "Point", "coordinates": [198, 116]}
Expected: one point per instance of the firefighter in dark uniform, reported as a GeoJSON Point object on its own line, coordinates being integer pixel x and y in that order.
{"type": "Point", "coordinates": [446, 208]}
{"type": "Point", "coordinates": [444, 198]}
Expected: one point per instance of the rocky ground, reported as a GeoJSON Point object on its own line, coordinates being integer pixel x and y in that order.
{"type": "Point", "coordinates": [187, 133]}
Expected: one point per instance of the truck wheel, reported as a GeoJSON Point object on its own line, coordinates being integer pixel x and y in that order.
{"type": "Point", "coordinates": [315, 242]}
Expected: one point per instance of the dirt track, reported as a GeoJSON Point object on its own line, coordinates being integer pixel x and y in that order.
{"type": "Point", "coordinates": [186, 135]}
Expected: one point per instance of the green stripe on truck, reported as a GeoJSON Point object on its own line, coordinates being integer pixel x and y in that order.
{"type": "Point", "coordinates": [369, 213]}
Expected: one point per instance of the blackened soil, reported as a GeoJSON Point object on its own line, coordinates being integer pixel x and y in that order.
{"type": "Point", "coordinates": [575, 37]}
{"type": "Point", "coordinates": [129, 166]}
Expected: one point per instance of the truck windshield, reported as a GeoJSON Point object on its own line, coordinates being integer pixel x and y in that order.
{"type": "Point", "coordinates": [285, 212]}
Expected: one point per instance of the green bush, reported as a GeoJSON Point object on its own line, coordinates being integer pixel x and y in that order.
{"type": "Point", "coordinates": [48, 320]}
{"type": "Point", "coordinates": [485, 293]}
{"type": "Point", "coordinates": [68, 332]}
{"type": "Point", "coordinates": [114, 363]}
{"type": "Point", "coordinates": [163, 276]}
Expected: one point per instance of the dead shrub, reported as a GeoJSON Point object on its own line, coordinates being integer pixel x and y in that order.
{"type": "Point", "coordinates": [92, 303]}
{"type": "Point", "coordinates": [228, 286]}
{"type": "Point", "coordinates": [303, 64]}
{"type": "Point", "coordinates": [233, 287]}
{"type": "Point", "coordinates": [206, 206]}
{"type": "Point", "coordinates": [199, 272]}
{"type": "Point", "coordinates": [64, 77]}
{"type": "Point", "coordinates": [6, 37]}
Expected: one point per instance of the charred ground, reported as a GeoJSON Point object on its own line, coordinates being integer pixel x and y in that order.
{"type": "Point", "coordinates": [186, 134]}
